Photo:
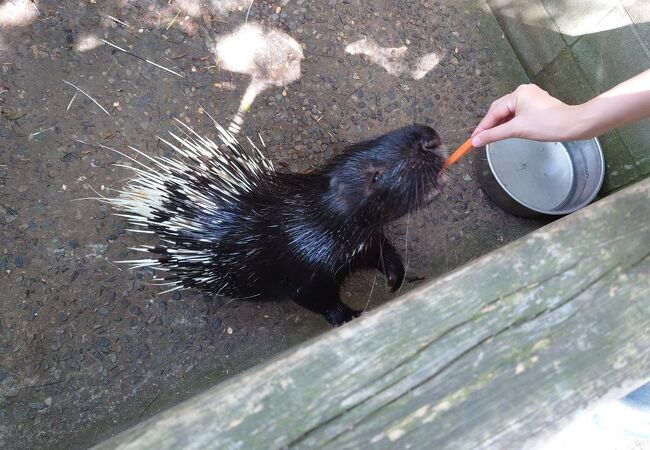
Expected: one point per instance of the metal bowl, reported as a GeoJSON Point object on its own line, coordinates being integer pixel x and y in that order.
{"type": "Point", "coordinates": [532, 179]}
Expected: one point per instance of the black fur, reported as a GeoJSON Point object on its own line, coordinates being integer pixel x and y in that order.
{"type": "Point", "coordinates": [298, 236]}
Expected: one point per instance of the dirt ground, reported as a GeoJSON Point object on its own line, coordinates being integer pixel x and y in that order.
{"type": "Point", "coordinates": [87, 348]}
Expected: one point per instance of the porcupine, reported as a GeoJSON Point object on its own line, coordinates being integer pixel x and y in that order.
{"type": "Point", "coordinates": [230, 224]}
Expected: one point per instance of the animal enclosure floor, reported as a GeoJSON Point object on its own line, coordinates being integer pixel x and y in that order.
{"type": "Point", "coordinates": [88, 348]}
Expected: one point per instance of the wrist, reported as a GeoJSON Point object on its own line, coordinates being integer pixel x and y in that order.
{"type": "Point", "coordinates": [581, 121]}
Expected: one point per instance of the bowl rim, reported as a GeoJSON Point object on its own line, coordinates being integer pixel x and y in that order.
{"type": "Point", "coordinates": [601, 158]}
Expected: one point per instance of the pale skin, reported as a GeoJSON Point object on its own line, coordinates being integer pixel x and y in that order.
{"type": "Point", "coordinates": [530, 112]}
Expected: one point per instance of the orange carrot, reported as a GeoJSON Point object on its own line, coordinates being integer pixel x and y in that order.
{"type": "Point", "coordinates": [462, 151]}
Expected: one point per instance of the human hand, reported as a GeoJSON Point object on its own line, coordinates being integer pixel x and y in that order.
{"type": "Point", "coordinates": [528, 112]}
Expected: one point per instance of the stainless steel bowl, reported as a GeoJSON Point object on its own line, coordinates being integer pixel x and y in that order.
{"type": "Point", "coordinates": [532, 179]}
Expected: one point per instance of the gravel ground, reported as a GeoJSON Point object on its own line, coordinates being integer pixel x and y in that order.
{"type": "Point", "coordinates": [87, 349]}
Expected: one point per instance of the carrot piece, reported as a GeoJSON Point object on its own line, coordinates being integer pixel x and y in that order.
{"type": "Point", "coordinates": [462, 151]}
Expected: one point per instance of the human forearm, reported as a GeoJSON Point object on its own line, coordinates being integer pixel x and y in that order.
{"type": "Point", "coordinates": [626, 103]}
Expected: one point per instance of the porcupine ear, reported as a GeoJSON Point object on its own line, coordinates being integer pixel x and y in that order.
{"type": "Point", "coordinates": [338, 190]}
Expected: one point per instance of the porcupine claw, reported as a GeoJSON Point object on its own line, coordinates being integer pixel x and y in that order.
{"type": "Point", "coordinates": [395, 276]}
{"type": "Point", "coordinates": [391, 266]}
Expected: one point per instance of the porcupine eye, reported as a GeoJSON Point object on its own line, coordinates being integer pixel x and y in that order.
{"type": "Point", "coordinates": [375, 174]}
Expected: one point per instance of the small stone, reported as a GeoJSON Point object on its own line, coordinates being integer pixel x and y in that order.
{"type": "Point", "coordinates": [63, 316]}
{"type": "Point", "coordinates": [36, 405]}
{"type": "Point", "coordinates": [74, 365]}
{"type": "Point", "coordinates": [103, 342]}
{"type": "Point", "coordinates": [467, 177]}
{"type": "Point", "coordinates": [20, 413]}
{"type": "Point", "coordinates": [135, 310]}
{"type": "Point", "coordinates": [229, 330]}
{"type": "Point", "coordinates": [112, 357]}
{"type": "Point", "coordinates": [48, 402]}
{"type": "Point", "coordinates": [19, 262]}
{"type": "Point", "coordinates": [3, 375]}
{"type": "Point", "coordinates": [56, 343]}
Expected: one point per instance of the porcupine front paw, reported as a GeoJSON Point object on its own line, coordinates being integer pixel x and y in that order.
{"type": "Point", "coordinates": [390, 263]}
{"type": "Point", "coordinates": [340, 314]}
{"type": "Point", "coordinates": [394, 271]}
{"type": "Point", "coordinates": [392, 267]}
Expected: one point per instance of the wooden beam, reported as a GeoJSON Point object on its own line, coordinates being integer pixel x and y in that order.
{"type": "Point", "coordinates": [496, 354]}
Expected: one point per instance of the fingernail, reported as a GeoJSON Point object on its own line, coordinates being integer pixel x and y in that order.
{"type": "Point", "coordinates": [476, 142]}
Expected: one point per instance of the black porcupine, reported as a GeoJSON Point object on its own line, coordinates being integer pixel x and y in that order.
{"type": "Point", "coordinates": [230, 224]}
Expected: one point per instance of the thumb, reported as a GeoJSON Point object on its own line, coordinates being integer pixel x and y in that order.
{"type": "Point", "coordinates": [498, 133]}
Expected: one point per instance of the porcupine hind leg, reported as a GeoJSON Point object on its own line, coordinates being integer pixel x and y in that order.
{"type": "Point", "coordinates": [323, 298]}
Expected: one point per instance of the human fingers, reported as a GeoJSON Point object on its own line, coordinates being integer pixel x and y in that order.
{"type": "Point", "coordinates": [504, 131]}
{"type": "Point", "coordinates": [499, 111]}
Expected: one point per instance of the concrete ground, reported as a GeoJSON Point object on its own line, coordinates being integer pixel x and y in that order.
{"type": "Point", "coordinates": [87, 348]}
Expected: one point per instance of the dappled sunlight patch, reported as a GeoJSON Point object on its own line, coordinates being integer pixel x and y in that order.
{"type": "Point", "coordinates": [424, 64]}
{"type": "Point", "coordinates": [269, 56]}
{"type": "Point", "coordinates": [395, 60]}
{"type": "Point", "coordinates": [17, 13]}
{"type": "Point", "coordinates": [86, 41]}
{"type": "Point", "coordinates": [190, 8]}
{"type": "Point", "coordinates": [574, 20]}
{"type": "Point", "coordinates": [390, 58]}
{"type": "Point", "coordinates": [226, 6]}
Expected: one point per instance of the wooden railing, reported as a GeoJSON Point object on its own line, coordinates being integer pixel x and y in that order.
{"type": "Point", "coordinates": [496, 354]}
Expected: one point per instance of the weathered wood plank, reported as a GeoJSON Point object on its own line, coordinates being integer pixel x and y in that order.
{"type": "Point", "coordinates": [494, 354]}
